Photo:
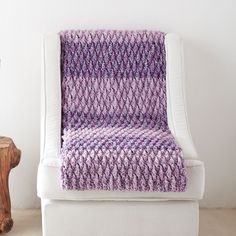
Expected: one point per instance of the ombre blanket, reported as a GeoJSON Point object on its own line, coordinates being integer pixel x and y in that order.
{"type": "Point", "coordinates": [115, 134]}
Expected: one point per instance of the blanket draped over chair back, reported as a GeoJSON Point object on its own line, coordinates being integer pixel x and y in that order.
{"type": "Point", "coordinates": [115, 134]}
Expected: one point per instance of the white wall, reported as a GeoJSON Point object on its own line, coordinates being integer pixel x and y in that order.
{"type": "Point", "coordinates": [209, 31]}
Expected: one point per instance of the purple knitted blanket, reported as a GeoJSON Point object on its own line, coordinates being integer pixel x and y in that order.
{"type": "Point", "coordinates": [114, 118]}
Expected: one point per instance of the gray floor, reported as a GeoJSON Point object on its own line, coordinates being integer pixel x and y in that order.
{"type": "Point", "coordinates": [214, 222]}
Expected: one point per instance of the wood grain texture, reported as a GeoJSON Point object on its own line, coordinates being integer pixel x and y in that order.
{"type": "Point", "coordinates": [9, 158]}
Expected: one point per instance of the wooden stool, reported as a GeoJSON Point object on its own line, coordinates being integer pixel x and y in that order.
{"type": "Point", "coordinates": [9, 158]}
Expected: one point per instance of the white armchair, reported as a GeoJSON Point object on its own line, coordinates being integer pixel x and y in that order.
{"type": "Point", "coordinates": [114, 213]}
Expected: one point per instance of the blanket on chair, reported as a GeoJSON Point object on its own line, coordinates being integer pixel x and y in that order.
{"type": "Point", "coordinates": [115, 134]}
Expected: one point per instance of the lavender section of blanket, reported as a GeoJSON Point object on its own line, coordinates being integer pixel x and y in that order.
{"type": "Point", "coordinates": [114, 118]}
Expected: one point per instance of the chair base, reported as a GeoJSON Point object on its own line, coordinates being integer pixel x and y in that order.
{"type": "Point", "coordinates": [120, 218]}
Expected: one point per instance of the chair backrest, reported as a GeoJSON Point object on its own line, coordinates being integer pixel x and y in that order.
{"type": "Point", "coordinates": [113, 78]}
{"type": "Point", "coordinates": [51, 96]}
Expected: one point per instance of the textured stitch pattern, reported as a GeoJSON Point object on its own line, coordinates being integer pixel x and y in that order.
{"type": "Point", "coordinates": [114, 118]}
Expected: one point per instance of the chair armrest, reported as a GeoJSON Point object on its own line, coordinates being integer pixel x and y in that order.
{"type": "Point", "coordinates": [176, 105]}
{"type": "Point", "coordinates": [50, 97]}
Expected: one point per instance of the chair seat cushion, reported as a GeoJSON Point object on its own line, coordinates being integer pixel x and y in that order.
{"type": "Point", "coordinates": [49, 187]}
{"type": "Point", "coordinates": [133, 158]}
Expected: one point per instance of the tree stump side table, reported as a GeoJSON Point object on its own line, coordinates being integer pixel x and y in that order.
{"type": "Point", "coordinates": [9, 158]}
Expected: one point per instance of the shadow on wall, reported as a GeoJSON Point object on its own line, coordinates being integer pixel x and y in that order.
{"type": "Point", "coordinates": [211, 116]}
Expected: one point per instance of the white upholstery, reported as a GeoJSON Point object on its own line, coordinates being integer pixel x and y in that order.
{"type": "Point", "coordinates": [100, 218]}
{"type": "Point", "coordinates": [123, 213]}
